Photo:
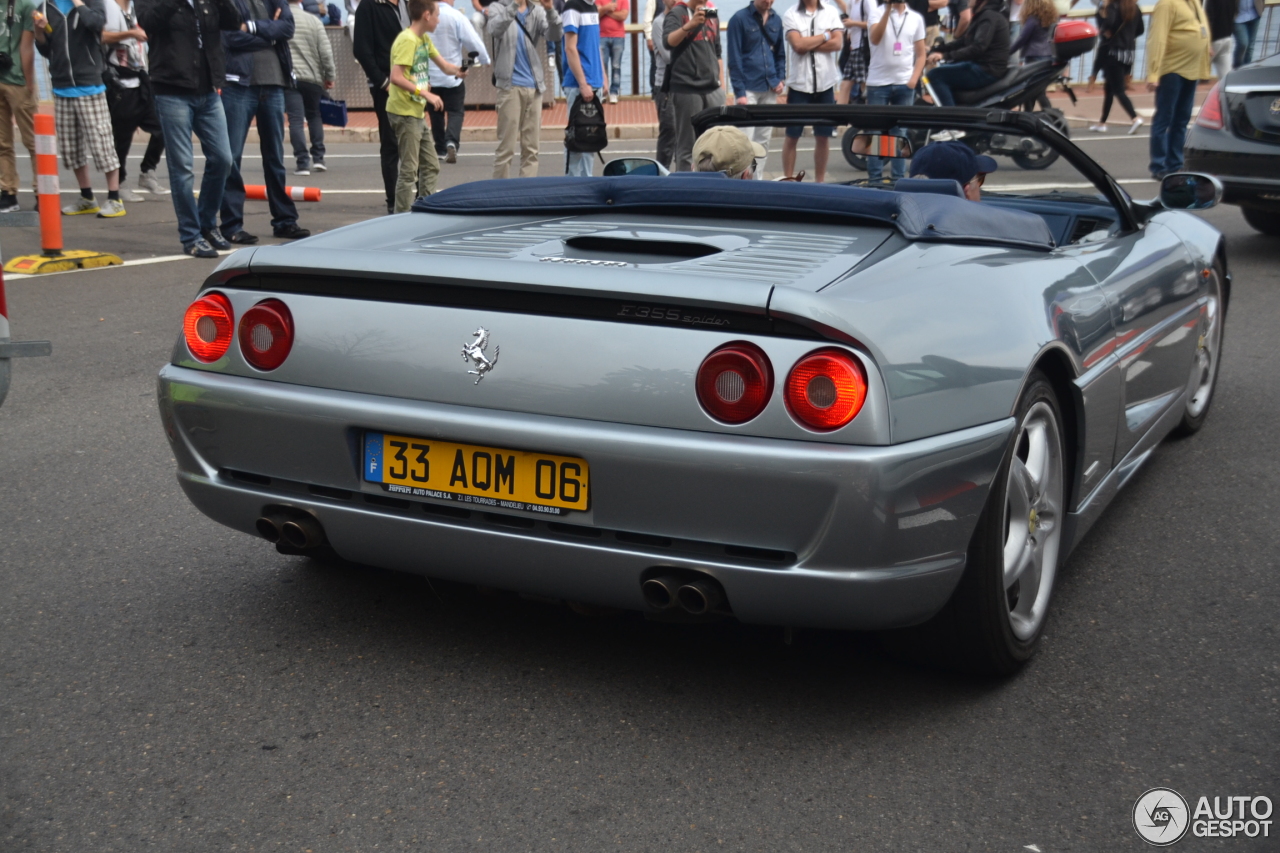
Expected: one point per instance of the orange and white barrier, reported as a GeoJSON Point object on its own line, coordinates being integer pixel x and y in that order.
{"type": "Point", "coordinates": [47, 186]}
{"type": "Point", "coordinates": [258, 192]}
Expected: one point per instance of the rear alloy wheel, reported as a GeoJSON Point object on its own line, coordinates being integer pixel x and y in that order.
{"type": "Point", "coordinates": [995, 618]}
{"type": "Point", "coordinates": [1204, 370]}
{"type": "Point", "coordinates": [1263, 221]}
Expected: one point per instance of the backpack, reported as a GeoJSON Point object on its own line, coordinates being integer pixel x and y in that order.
{"type": "Point", "coordinates": [586, 131]}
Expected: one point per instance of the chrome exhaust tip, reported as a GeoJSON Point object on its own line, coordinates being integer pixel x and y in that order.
{"type": "Point", "coordinates": [700, 597]}
{"type": "Point", "coordinates": [302, 532]}
{"type": "Point", "coordinates": [268, 526]}
{"type": "Point", "coordinates": [660, 592]}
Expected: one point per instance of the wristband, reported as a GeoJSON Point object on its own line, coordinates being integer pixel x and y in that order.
{"type": "Point", "coordinates": [826, 37]}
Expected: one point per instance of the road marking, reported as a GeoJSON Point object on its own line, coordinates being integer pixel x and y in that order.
{"type": "Point", "coordinates": [137, 262]}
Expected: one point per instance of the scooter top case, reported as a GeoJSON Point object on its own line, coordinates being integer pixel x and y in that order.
{"type": "Point", "coordinates": [1073, 38]}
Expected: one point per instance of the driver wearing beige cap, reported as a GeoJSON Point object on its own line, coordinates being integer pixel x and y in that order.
{"type": "Point", "coordinates": [729, 150]}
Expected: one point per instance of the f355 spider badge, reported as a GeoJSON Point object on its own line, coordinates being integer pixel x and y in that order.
{"type": "Point", "coordinates": [473, 353]}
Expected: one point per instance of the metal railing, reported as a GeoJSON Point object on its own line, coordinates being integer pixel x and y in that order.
{"type": "Point", "coordinates": [1268, 42]}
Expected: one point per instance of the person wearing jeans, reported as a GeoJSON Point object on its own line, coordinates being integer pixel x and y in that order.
{"type": "Point", "coordinates": [978, 58]}
{"type": "Point", "coordinates": [613, 40]}
{"type": "Point", "coordinates": [1177, 58]}
{"type": "Point", "coordinates": [185, 55]}
{"type": "Point", "coordinates": [259, 67]}
{"type": "Point", "coordinates": [583, 74]}
{"type": "Point", "coordinates": [314, 72]}
{"type": "Point", "coordinates": [897, 37]}
{"type": "Point", "coordinates": [1246, 31]}
{"type": "Point", "coordinates": [181, 116]}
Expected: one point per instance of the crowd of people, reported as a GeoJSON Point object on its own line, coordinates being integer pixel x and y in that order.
{"type": "Point", "coordinates": [174, 68]}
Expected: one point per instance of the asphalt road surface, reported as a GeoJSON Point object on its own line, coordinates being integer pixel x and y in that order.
{"type": "Point", "coordinates": [168, 684]}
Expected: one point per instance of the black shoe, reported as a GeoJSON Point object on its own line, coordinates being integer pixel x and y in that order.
{"type": "Point", "coordinates": [200, 249]}
{"type": "Point", "coordinates": [216, 240]}
{"type": "Point", "coordinates": [291, 232]}
{"type": "Point", "coordinates": [241, 238]}
{"type": "Point", "coordinates": [9, 203]}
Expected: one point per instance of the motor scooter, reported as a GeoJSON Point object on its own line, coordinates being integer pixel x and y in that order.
{"type": "Point", "coordinates": [1018, 89]}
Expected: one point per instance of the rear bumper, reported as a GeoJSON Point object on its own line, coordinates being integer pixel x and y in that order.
{"type": "Point", "coordinates": [1247, 168]}
{"type": "Point", "coordinates": [799, 533]}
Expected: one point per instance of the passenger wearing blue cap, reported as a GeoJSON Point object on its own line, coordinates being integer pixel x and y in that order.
{"type": "Point", "coordinates": [953, 161]}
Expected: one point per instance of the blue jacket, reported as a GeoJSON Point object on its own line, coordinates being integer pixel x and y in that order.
{"type": "Point", "coordinates": [271, 34]}
{"type": "Point", "coordinates": [757, 57]}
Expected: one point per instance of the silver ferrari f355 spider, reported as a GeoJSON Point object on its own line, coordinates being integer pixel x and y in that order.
{"type": "Point", "coordinates": [854, 406]}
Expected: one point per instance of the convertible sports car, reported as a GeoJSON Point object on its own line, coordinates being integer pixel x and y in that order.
{"type": "Point", "coordinates": [833, 406]}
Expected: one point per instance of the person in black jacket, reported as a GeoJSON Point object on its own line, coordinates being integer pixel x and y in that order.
{"type": "Point", "coordinates": [1120, 24]}
{"type": "Point", "coordinates": [259, 69]}
{"type": "Point", "coordinates": [185, 55]}
{"type": "Point", "coordinates": [378, 22]}
{"type": "Point", "coordinates": [977, 59]}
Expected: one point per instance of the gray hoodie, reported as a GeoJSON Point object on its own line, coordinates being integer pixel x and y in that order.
{"type": "Point", "coordinates": [542, 24]}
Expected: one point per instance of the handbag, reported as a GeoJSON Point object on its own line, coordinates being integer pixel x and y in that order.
{"type": "Point", "coordinates": [333, 113]}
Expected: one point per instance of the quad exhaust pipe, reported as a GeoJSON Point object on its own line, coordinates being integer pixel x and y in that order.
{"type": "Point", "coordinates": [693, 593]}
{"type": "Point", "coordinates": [290, 528]}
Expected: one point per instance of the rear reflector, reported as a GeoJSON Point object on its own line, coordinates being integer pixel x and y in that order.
{"type": "Point", "coordinates": [266, 334]}
{"type": "Point", "coordinates": [826, 389]}
{"type": "Point", "coordinates": [208, 327]}
{"type": "Point", "coordinates": [1211, 110]}
{"type": "Point", "coordinates": [735, 382]}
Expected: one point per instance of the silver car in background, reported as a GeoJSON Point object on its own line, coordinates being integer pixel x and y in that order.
{"type": "Point", "coordinates": [846, 407]}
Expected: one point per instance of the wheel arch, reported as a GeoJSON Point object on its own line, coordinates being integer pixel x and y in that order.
{"type": "Point", "coordinates": [1059, 369]}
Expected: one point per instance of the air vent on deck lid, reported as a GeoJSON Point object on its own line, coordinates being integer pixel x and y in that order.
{"type": "Point", "coordinates": [659, 249]}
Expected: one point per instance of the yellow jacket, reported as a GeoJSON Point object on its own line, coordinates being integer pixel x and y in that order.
{"type": "Point", "coordinates": [1178, 41]}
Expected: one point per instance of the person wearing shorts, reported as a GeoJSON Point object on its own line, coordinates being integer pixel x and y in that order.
{"type": "Point", "coordinates": [814, 35]}
{"type": "Point", "coordinates": [68, 34]}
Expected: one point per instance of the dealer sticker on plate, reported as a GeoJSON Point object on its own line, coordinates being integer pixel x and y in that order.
{"type": "Point", "coordinates": [472, 474]}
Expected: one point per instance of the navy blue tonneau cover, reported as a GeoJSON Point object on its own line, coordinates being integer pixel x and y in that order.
{"type": "Point", "coordinates": [925, 217]}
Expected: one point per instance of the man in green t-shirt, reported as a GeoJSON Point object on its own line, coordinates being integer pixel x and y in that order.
{"type": "Point", "coordinates": [17, 95]}
{"type": "Point", "coordinates": [411, 53]}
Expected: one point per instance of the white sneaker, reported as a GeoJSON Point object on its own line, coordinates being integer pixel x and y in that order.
{"type": "Point", "coordinates": [111, 208]}
{"type": "Point", "coordinates": [130, 196]}
{"type": "Point", "coordinates": [301, 171]}
{"type": "Point", "coordinates": [319, 166]}
{"type": "Point", "coordinates": [1137, 123]}
{"type": "Point", "coordinates": [81, 206]}
{"type": "Point", "coordinates": [1098, 128]}
{"type": "Point", "coordinates": [149, 182]}
{"type": "Point", "coordinates": [613, 99]}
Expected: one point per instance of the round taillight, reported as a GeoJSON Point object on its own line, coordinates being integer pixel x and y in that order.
{"type": "Point", "coordinates": [734, 383]}
{"type": "Point", "coordinates": [826, 389]}
{"type": "Point", "coordinates": [208, 327]}
{"type": "Point", "coordinates": [266, 334]}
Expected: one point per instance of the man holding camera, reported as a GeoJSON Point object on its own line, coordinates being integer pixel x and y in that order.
{"type": "Point", "coordinates": [459, 43]}
{"type": "Point", "coordinates": [17, 96]}
{"type": "Point", "coordinates": [692, 34]}
{"type": "Point", "coordinates": [518, 29]}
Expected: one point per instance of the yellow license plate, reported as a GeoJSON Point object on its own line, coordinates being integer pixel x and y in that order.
{"type": "Point", "coordinates": [472, 474]}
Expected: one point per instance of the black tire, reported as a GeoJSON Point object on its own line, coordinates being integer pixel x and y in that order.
{"type": "Point", "coordinates": [1204, 372]}
{"type": "Point", "coordinates": [1262, 221]}
{"type": "Point", "coordinates": [857, 161]}
{"type": "Point", "coordinates": [974, 632]}
{"type": "Point", "coordinates": [1043, 156]}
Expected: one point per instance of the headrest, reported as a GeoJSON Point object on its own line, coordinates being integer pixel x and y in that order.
{"type": "Point", "coordinates": [929, 185]}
